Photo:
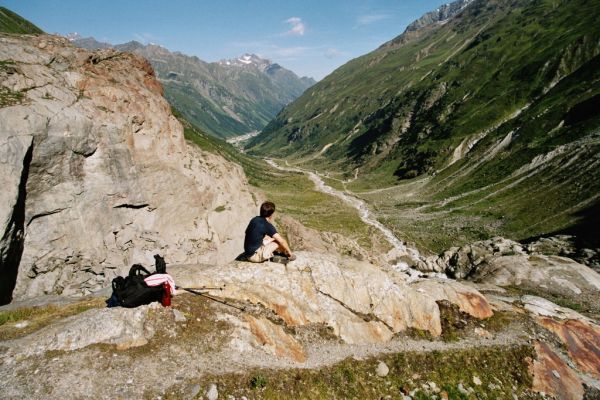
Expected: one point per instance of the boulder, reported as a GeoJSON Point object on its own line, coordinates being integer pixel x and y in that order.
{"type": "Point", "coordinates": [579, 337]}
{"type": "Point", "coordinates": [560, 277]}
{"type": "Point", "coordinates": [552, 376]}
{"type": "Point", "coordinates": [561, 245]}
{"type": "Point", "coordinates": [462, 262]}
{"type": "Point", "coordinates": [97, 174]}
{"type": "Point", "coordinates": [360, 302]}
{"type": "Point", "coordinates": [566, 246]}
{"type": "Point", "coordinates": [579, 334]}
{"type": "Point", "coordinates": [124, 327]}
{"type": "Point", "coordinates": [582, 340]}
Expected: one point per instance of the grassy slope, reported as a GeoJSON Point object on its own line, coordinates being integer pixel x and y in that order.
{"type": "Point", "coordinates": [503, 371]}
{"type": "Point", "coordinates": [293, 193]}
{"type": "Point", "coordinates": [14, 23]}
{"type": "Point", "coordinates": [255, 102]}
{"type": "Point", "coordinates": [452, 84]}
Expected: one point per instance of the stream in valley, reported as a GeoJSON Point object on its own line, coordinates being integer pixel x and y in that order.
{"type": "Point", "coordinates": [365, 215]}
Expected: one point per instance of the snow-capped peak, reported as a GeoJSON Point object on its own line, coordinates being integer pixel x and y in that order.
{"type": "Point", "coordinates": [247, 60]}
{"type": "Point", "coordinates": [73, 36]}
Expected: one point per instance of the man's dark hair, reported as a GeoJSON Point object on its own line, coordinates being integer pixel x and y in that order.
{"type": "Point", "coordinates": [267, 209]}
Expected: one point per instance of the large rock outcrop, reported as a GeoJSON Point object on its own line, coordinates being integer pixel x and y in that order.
{"type": "Point", "coordinates": [96, 173]}
{"type": "Point", "coordinates": [360, 302]}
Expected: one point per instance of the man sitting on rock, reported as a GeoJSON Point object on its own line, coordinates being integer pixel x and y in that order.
{"type": "Point", "coordinates": [262, 239]}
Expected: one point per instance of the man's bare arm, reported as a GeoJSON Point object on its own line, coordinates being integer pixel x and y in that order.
{"type": "Point", "coordinates": [283, 243]}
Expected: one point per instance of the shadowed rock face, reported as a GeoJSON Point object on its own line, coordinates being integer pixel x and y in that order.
{"type": "Point", "coordinates": [98, 175]}
{"type": "Point", "coordinates": [360, 302]}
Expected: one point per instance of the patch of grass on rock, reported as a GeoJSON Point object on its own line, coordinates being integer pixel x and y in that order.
{"type": "Point", "coordinates": [33, 318]}
{"type": "Point", "coordinates": [502, 371]}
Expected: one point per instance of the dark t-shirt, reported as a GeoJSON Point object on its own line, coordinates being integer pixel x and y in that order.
{"type": "Point", "coordinates": [255, 232]}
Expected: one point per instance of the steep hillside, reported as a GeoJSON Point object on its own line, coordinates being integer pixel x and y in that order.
{"type": "Point", "coordinates": [11, 22]}
{"type": "Point", "coordinates": [495, 110]}
{"type": "Point", "coordinates": [225, 98]}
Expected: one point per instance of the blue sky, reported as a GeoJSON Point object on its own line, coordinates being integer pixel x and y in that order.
{"type": "Point", "coordinates": [309, 37]}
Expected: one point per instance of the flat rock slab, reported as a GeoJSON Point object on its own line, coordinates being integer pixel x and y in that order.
{"type": "Point", "coordinates": [581, 339]}
{"type": "Point", "coordinates": [551, 375]}
{"type": "Point", "coordinates": [359, 301]}
{"type": "Point", "coordinates": [124, 327]}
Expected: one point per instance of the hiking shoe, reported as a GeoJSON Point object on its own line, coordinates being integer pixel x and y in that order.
{"type": "Point", "coordinates": [279, 259]}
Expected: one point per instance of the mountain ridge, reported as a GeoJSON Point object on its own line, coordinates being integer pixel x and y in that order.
{"type": "Point", "coordinates": [457, 109]}
{"type": "Point", "coordinates": [11, 22]}
{"type": "Point", "coordinates": [224, 100]}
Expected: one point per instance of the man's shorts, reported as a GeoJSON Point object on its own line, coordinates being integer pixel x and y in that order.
{"type": "Point", "coordinates": [265, 251]}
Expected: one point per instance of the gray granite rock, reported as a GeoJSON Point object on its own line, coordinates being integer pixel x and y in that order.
{"type": "Point", "coordinates": [96, 174]}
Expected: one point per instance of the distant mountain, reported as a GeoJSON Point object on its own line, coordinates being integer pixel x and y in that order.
{"type": "Point", "coordinates": [88, 43]}
{"type": "Point", "coordinates": [225, 98]}
{"type": "Point", "coordinates": [495, 99]}
{"type": "Point", "coordinates": [11, 22]}
{"type": "Point", "coordinates": [429, 21]}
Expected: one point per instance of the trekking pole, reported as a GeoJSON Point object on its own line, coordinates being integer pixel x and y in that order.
{"type": "Point", "coordinates": [203, 288]}
{"type": "Point", "coordinates": [194, 291]}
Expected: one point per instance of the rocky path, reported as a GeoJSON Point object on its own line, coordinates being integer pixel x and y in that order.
{"type": "Point", "coordinates": [307, 316]}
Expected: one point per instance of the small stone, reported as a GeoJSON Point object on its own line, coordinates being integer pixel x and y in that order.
{"type": "Point", "coordinates": [192, 391]}
{"type": "Point", "coordinates": [444, 395]}
{"type": "Point", "coordinates": [129, 381]}
{"type": "Point", "coordinates": [462, 389]}
{"type": "Point", "coordinates": [212, 393]}
{"type": "Point", "coordinates": [179, 317]}
{"type": "Point", "coordinates": [482, 333]}
{"type": "Point", "coordinates": [382, 369]}
{"type": "Point", "coordinates": [243, 398]}
{"type": "Point", "coordinates": [433, 386]}
{"type": "Point", "coordinates": [42, 44]}
{"type": "Point", "coordinates": [476, 380]}
{"type": "Point", "coordinates": [555, 373]}
{"type": "Point", "coordinates": [22, 324]}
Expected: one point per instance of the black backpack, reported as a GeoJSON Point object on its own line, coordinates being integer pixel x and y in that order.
{"type": "Point", "coordinates": [132, 291]}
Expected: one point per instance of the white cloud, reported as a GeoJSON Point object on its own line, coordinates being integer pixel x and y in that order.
{"type": "Point", "coordinates": [370, 18]}
{"type": "Point", "coordinates": [297, 27]}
